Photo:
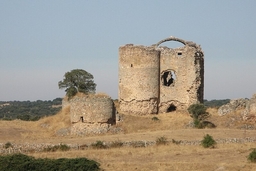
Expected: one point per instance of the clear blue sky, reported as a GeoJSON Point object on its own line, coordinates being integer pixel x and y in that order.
{"type": "Point", "coordinates": [41, 40]}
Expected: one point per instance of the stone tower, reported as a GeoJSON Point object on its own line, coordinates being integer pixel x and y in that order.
{"type": "Point", "coordinates": [155, 79]}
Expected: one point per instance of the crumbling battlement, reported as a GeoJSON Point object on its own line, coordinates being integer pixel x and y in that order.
{"type": "Point", "coordinates": [156, 79]}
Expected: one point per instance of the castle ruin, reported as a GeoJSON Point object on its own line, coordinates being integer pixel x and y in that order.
{"type": "Point", "coordinates": [157, 79]}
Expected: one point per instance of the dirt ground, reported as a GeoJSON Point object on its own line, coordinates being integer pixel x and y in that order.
{"type": "Point", "coordinates": [173, 126]}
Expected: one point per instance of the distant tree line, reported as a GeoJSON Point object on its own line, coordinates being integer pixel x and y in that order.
{"type": "Point", "coordinates": [27, 110]}
{"type": "Point", "coordinates": [216, 103]}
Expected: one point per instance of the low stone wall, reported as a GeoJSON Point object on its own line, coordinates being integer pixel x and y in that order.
{"type": "Point", "coordinates": [28, 148]}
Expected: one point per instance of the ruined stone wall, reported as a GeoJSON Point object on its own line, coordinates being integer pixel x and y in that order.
{"type": "Point", "coordinates": [138, 83]}
{"type": "Point", "coordinates": [186, 67]}
{"type": "Point", "coordinates": [90, 114]}
{"type": "Point", "coordinates": [92, 109]}
{"type": "Point", "coordinates": [160, 79]}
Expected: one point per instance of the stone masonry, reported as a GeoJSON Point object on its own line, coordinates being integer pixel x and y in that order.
{"type": "Point", "coordinates": [157, 79]}
{"type": "Point", "coordinates": [90, 113]}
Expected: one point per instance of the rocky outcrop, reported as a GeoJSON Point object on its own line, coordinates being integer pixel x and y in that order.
{"type": "Point", "coordinates": [248, 107]}
{"type": "Point", "coordinates": [250, 111]}
{"type": "Point", "coordinates": [232, 106]}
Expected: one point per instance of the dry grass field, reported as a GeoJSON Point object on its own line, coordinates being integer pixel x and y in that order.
{"type": "Point", "coordinates": [173, 126]}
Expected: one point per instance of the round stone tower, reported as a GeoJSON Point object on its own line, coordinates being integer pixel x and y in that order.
{"type": "Point", "coordinates": [138, 79]}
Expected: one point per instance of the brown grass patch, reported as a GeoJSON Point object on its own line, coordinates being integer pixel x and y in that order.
{"type": "Point", "coordinates": [47, 127]}
{"type": "Point", "coordinates": [167, 121]}
{"type": "Point", "coordinates": [168, 157]}
{"type": "Point", "coordinates": [232, 120]}
{"type": "Point", "coordinates": [19, 130]}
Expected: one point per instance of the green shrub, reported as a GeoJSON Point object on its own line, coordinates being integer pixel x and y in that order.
{"type": "Point", "coordinates": [175, 141]}
{"type": "Point", "coordinates": [199, 114]}
{"type": "Point", "coordinates": [203, 124]}
{"type": "Point", "coordinates": [99, 145]}
{"type": "Point", "coordinates": [64, 147]}
{"type": "Point", "coordinates": [208, 142]}
{"type": "Point", "coordinates": [198, 124]}
{"type": "Point", "coordinates": [116, 144]}
{"type": "Point", "coordinates": [137, 144]}
{"type": "Point", "coordinates": [8, 145]}
{"type": "Point", "coordinates": [155, 119]}
{"type": "Point", "coordinates": [161, 141]}
{"type": "Point", "coordinates": [252, 156]}
{"type": "Point", "coordinates": [208, 124]}
{"type": "Point", "coordinates": [22, 162]}
{"type": "Point", "coordinates": [61, 147]}
{"type": "Point", "coordinates": [50, 149]}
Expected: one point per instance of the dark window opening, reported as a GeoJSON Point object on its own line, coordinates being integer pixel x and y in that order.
{"type": "Point", "coordinates": [179, 53]}
{"type": "Point", "coordinates": [168, 78]}
{"type": "Point", "coordinates": [131, 65]}
{"type": "Point", "coordinates": [171, 108]}
{"type": "Point", "coordinates": [81, 119]}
